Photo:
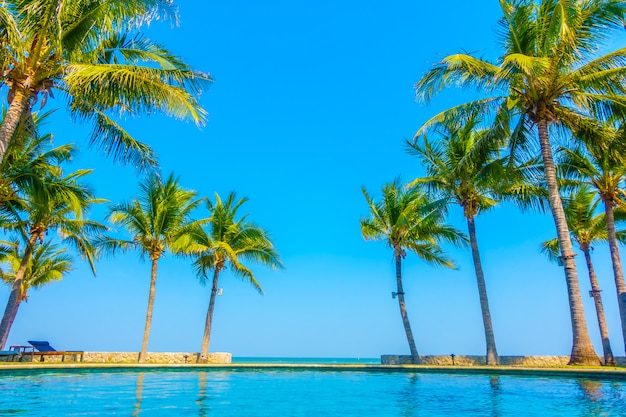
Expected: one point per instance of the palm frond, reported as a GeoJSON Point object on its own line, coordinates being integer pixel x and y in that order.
{"type": "Point", "coordinates": [461, 70]}
{"type": "Point", "coordinates": [111, 139]}
{"type": "Point", "coordinates": [138, 89]}
{"type": "Point", "coordinates": [405, 218]}
{"type": "Point", "coordinates": [459, 112]}
{"type": "Point", "coordinates": [552, 250]}
{"type": "Point", "coordinates": [229, 239]}
{"type": "Point", "coordinates": [109, 245]}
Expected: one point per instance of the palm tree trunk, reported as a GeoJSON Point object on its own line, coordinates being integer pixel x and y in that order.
{"type": "Point", "coordinates": [8, 318]}
{"type": "Point", "coordinates": [405, 317]}
{"type": "Point", "coordinates": [597, 299]}
{"type": "Point", "coordinates": [617, 265]}
{"type": "Point", "coordinates": [492, 353]}
{"type": "Point", "coordinates": [11, 119]}
{"type": "Point", "coordinates": [15, 298]}
{"type": "Point", "coordinates": [583, 352]}
{"type": "Point", "coordinates": [206, 338]}
{"type": "Point", "coordinates": [146, 331]}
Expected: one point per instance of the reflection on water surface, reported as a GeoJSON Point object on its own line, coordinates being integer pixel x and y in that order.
{"type": "Point", "coordinates": [295, 392]}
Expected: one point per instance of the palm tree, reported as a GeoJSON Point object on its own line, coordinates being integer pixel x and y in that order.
{"type": "Point", "coordinates": [153, 219]}
{"type": "Point", "coordinates": [472, 184]}
{"type": "Point", "coordinates": [30, 170]}
{"type": "Point", "coordinates": [54, 203]}
{"type": "Point", "coordinates": [599, 161]}
{"type": "Point", "coordinates": [48, 263]}
{"type": "Point", "coordinates": [228, 240]}
{"type": "Point", "coordinates": [548, 74]}
{"type": "Point", "coordinates": [94, 53]}
{"type": "Point", "coordinates": [407, 220]}
{"type": "Point", "coordinates": [587, 228]}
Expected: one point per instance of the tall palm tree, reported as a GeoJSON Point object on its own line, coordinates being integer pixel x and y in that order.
{"type": "Point", "coordinates": [228, 240]}
{"type": "Point", "coordinates": [48, 263]}
{"type": "Point", "coordinates": [599, 161]}
{"type": "Point", "coordinates": [475, 179]}
{"type": "Point", "coordinates": [548, 74]}
{"type": "Point", "coordinates": [94, 53]}
{"type": "Point", "coordinates": [29, 171]}
{"type": "Point", "coordinates": [407, 220]}
{"type": "Point", "coordinates": [153, 219]}
{"type": "Point", "coordinates": [587, 228]}
{"type": "Point", "coordinates": [54, 203]}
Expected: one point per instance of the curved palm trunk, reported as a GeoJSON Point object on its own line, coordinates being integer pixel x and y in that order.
{"type": "Point", "coordinates": [16, 294]}
{"type": "Point", "coordinates": [206, 338]}
{"type": "Point", "coordinates": [597, 299]}
{"type": "Point", "coordinates": [22, 95]}
{"type": "Point", "coordinates": [10, 313]}
{"type": "Point", "coordinates": [583, 352]}
{"type": "Point", "coordinates": [146, 331]}
{"type": "Point", "coordinates": [617, 265]}
{"type": "Point", "coordinates": [12, 119]}
{"type": "Point", "coordinates": [492, 357]}
{"type": "Point", "coordinates": [405, 317]}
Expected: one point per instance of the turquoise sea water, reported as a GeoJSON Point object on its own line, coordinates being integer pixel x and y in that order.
{"type": "Point", "coordinates": [302, 392]}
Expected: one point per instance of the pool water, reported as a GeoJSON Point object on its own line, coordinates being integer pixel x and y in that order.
{"type": "Point", "coordinates": [297, 392]}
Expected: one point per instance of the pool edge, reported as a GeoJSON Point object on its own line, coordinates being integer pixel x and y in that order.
{"type": "Point", "coordinates": [577, 372]}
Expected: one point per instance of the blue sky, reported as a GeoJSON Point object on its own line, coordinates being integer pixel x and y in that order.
{"type": "Point", "coordinates": [312, 101]}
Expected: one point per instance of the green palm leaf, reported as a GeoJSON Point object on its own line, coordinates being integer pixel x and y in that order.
{"type": "Point", "coordinates": [94, 53]}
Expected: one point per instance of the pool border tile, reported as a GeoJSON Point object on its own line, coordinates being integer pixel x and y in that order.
{"type": "Point", "coordinates": [574, 372]}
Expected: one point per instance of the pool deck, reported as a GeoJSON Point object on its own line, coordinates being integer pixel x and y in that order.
{"type": "Point", "coordinates": [618, 373]}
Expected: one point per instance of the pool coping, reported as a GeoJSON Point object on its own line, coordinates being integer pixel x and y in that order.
{"type": "Point", "coordinates": [575, 372]}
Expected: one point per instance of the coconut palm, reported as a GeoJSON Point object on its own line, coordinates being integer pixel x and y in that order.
{"type": "Point", "coordinates": [549, 74]}
{"type": "Point", "coordinates": [48, 263]}
{"type": "Point", "coordinates": [407, 220]}
{"type": "Point", "coordinates": [587, 228]}
{"type": "Point", "coordinates": [94, 54]}
{"type": "Point", "coordinates": [58, 204]}
{"type": "Point", "coordinates": [599, 161]}
{"type": "Point", "coordinates": [153, 219]}
{"type": "Point", "coordinates": [228, 240]}
{"type": "Point", "coordinates": [29, 168]}
{"type": "Point", "coordinates": [475, 179]}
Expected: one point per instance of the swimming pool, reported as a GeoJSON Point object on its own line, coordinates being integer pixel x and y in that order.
{"type": "Point", "coordinates": [298, 392]}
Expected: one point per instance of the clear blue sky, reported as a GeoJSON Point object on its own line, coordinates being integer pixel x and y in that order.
{"type": "Point", "coordinates": [311, 101]}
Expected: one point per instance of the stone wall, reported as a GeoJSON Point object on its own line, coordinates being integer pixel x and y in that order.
{"type": "Point", "coordinates": [527, 361]}
{"type": "Point", "coordinates": [131, 357]}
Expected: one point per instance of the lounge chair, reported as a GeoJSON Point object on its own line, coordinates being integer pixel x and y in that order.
{"type": "Point", "coordinates": [9, 354]}
{"type": "Point", "coordinates": [44, 349]}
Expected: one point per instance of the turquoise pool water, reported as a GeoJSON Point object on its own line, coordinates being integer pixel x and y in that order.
{"type": "Point", "coordinates": [295, 392]}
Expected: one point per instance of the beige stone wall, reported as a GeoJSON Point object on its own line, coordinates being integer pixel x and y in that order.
{"type": "Point", "coordinates": [527, 361]}
{"type": "Point", "coordinates": [131, 357]}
